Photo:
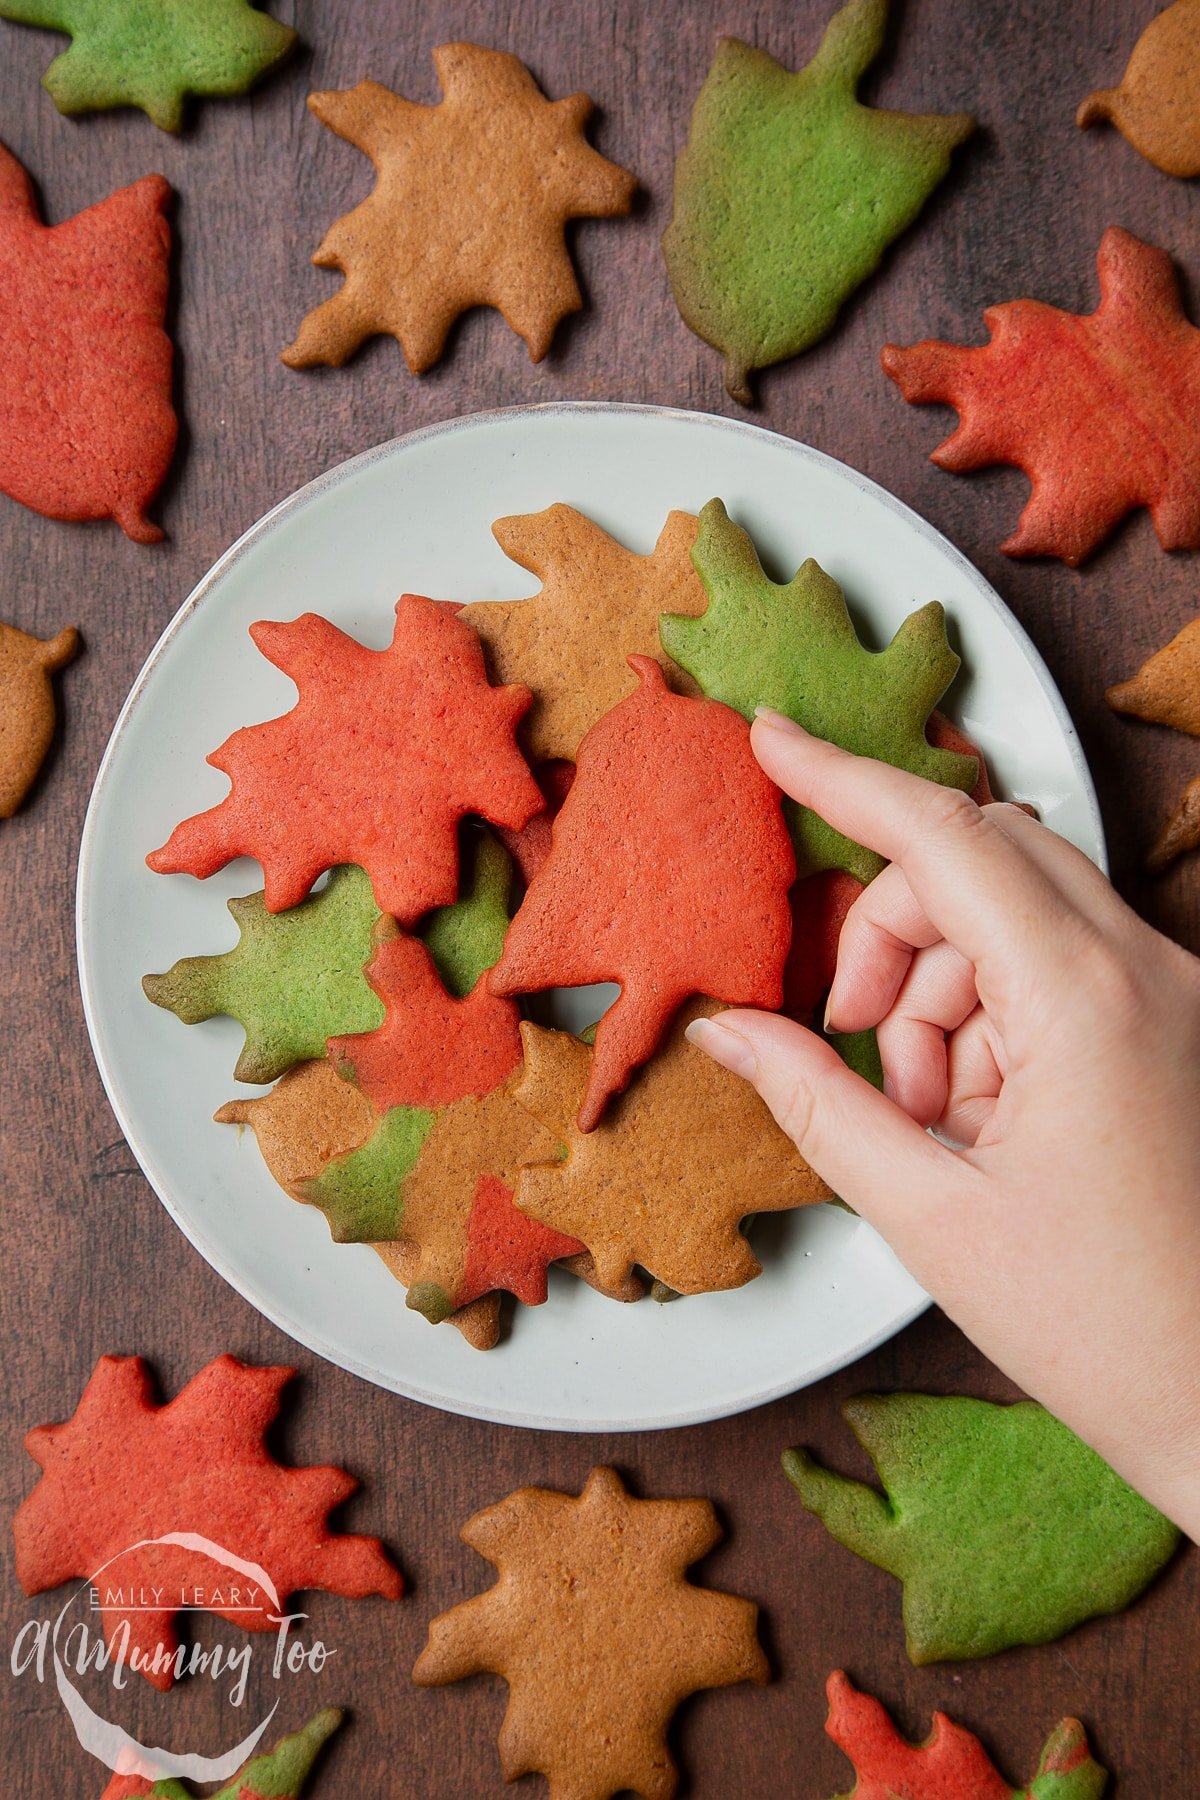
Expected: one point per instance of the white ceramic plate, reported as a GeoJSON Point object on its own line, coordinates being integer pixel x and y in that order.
{"type": "Point", "coordinates": [415, 516]}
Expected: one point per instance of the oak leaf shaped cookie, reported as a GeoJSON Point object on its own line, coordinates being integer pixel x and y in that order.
{"type": "Point", "coordinates": [124, 53]}
{"type": "Point", "coordinates": [27, 713]}
{"type": "Point", "coordinates": [1166, 691]}
{"type": "Point", "coordinates": [127, 1469]}
{"type": "Point", "coordinates": [1157, 105]}
{"type": "Point", "coordinates": [789, 191]}
{"type": "Point", "coordinates": [669, 1173]}
{"type": "Point", "coordinates": [1100, 410]}
{"type": "Point", "coordinates": [87, 430]}
{"type": "Point", "coordinates": [794, 648]}
{"type": "Point", "coordinates": [292, 980]}
{"type": "Point", "coordinates": [469, 209]}
{"type": "Point", "coordinates": [599, 604]}
{"type": "Point", "coordinates": [313, 1115]}
{"type": "Point", "coordinates": [382, 755]}
{"type": "Point", "coordinates": [1003, 1527]}
{"type": "Point", "coordinates": [280, 1774]}
{"type": "Point", "coordinates": [597, 1631]}
{"type": "Point", "coordinates": [951, 1764]}
{"type": "Point", "coordinates": [668, 873]}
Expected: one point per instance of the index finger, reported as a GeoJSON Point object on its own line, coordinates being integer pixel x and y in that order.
{"type": "Point", "coordinates": [983, 892]}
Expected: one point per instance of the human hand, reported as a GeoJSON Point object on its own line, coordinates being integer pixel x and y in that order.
{"type": "Point", "coordinates": [1031, 1017]}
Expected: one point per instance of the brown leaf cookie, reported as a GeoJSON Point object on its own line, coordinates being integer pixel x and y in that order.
{"type": "Point", "coordinates": [597, 1631]}
{"type": "Point", "coordinates": [27, 706]}
{"type": "Point", "coordinates": [1166, 689]}
{"type": "Point", "coordinates": [1180, 833]}
{"type": "Point", "coordinates": [599, 603]}
{"type": "Point", "coordinates": [469, 210]}
{"type": "Point", "coordinates": [1157, 106]}
{"type": "Point", "coordinates": [312, 1115]}
{"type": "Point", "coordinates": [670, 1171]}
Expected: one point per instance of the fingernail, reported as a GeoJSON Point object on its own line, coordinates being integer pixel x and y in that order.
{"type": "Point", "coordinates": [729, 1048]}
{"type": "Point", "coordinates": [779, 721]}
{"type": "Point", "coordinates": [828, 1025]}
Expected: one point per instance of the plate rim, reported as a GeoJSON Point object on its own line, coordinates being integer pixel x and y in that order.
{"type": "Point", "coordinates": [322, 483]}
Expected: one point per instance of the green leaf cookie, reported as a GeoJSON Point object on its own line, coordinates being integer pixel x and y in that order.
{"type": "Point", "coordinates": [1004, 1528]}
{"type": "Point", "coordinates": [788, 192]}
{"type": "Point", "coordinates": [292, 980]}
{"type": "Point", "coordinates": [150, 53]}
{"type": "Point", "coordinates": [279, 1775]}
{"type": "Point", "coordinates": [466, 937]}
{"type": "Point", "coordinates": [794, 648]}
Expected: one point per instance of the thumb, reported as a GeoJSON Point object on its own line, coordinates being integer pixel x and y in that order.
{"type": "Point", "coordinates": [865, 1146]}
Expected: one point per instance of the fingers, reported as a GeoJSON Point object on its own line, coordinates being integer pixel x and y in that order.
{"type": "Point", "coordinates": [974, 1077]}
{"type": "Point", "coordinates": [937, 995]}
{"type": "Point", "coordinates": [872, 1154]}
{"type": "Point", "coordinates": [970, 878]}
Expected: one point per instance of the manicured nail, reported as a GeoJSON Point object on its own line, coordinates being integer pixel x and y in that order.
{"type": "Point", "coordinates": [729, 1048]}
{"type": "Point", "coordinates": [779, 721]}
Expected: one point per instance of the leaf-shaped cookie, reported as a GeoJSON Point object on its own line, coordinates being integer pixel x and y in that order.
{"type": "Point", "coordinates": [27, 713]}
{"type": "Point", "coordinates": [789, 191]}
{"type": "Point", "coordinates": [1004, 1528]}
{"type": "Point", "coordinates": [668, 873]}
{"type": "Point", "coordinates": [597, 1631]}
{"type": "Point", "coordinates": [125, 53]}
{"type": "Point", "coordinates": [382, 755]}
{"type": "Point", "coordinates": [1181, 832]}
{"type": "Point", "coordinates": [1100, 410]}
{"type": "Point", "coordinates": [794, 648]}
{"type": "Point", "coordinates": [87, 430]}
{"type": "Point", "coordinates": [127, 1469]}
{"type": "Point", "coordinates": [1166, 689]}
{"type": "Point", "coordinates": [670, 1172]}
{"type": "Point", "coordinates": [466, 938]}
{"type": "Point", "coordinates": [599, 604]}
{"type": "Point", "coordinates": [311, 1116]}
{"type": "Point", "coordinates": [1157, 105]}
{"type": "Point", "coordinates": [469, 209]}
{"type": "Point", "coordinates": [292, 980]}
{"type": "Point", "coordinates": [280, 1774]}
{"type": "Point", "coordinates": [951, 1764]}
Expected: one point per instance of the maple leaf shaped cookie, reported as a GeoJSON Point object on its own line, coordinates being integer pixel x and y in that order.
{"type": "Point", "coordinates": [599, 604]}
{"type": "Point", "coordinates": [27, 714]}
{"type": "Point", "coordinates": [279, 1775]}
{"type": "Point", "coordinates": [1003, 1527]}
{"type": "Point", "coordinates": [597, 1631]}
{"type": "Point", "coordinates": [951, 1764]}
{"type": "Point", "coordinates": [1166, 691]}
{"type": "Point", "coordinates": [87, 430]}
{"type": "Point", "coordinates": [1101, 411]}
{"type": "Point", "coordinates": [126, 1469]}
{"type": "Point", "coordinates": [1157, 105]}
{"type": "Point", "coordinates": [469, 209]}
{"type": "Point", "coordinates": [313, 1115]}
{"type": "Point", "coordinates": [789, 191]}
{"type": "Point", "coordinates": [293, 979]}
{"type": "Point", "coordinates": [125, 53]}
{"type": "Point", "coordinates": [382, 755]}
{"type": "Point", "coordinates": [669, 1173]}
{"type": "Point", "coordinates": [668, 787]}
{"type": "Point", "coordinates": [794, 648]}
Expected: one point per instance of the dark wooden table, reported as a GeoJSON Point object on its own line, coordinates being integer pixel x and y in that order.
{"type": "Point", "coordinates": [94, 1264]}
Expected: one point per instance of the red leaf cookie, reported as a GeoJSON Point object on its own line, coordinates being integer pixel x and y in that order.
{"type": "Point", "coordinates": [382, 755]}
{"type": "Point", "coordinates": [668, 872]}
{"type": "Point", "coordinates": [951, 1764]}
{"type": "Point", "coordinates": [126, 1468]}
{"type": "Point", "coordinates": [87, 430]}
{"type": "Point", "coordinates": [431, 1049]}
{"type": "Point", "coordinates": [1101, 411]}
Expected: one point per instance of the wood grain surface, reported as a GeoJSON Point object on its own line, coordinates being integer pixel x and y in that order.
{"type": "Point", "coordinates": [92, 1261]}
